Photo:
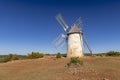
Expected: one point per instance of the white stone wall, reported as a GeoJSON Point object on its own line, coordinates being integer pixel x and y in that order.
{"type": "Point", "coordinates": [75, 45]}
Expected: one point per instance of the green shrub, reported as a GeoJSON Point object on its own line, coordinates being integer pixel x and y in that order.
{"type": "Point", "coordinates": [75, 61]}
{"type": "Point", "coordinates": [58, 55]}
{"type": "Point", "coordinates": [113, 53]}
{"type": "Point", "coordinates": [14, 57]}
{"type": "Point", "coordinates": [10, 57]}
{"type": "Point", "coordinates": [21, 57]}
{"type": "Point", "coordinates": [5, 59]}
{"type": "Point", "coordinates": [101, 55]}
{"type": "Point", "coordinates": [35, 55]}
{"type": "Point", "coordinates": [47, 54]}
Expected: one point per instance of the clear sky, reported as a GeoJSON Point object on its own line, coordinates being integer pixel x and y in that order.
{"type": "Point", "coordinates": [30, 25]}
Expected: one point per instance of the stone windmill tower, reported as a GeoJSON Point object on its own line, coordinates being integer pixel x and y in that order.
{"type": "Point", "coordinates": [74, 38]}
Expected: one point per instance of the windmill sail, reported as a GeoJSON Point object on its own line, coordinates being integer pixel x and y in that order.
{"type": "Point", "coordinates": [78, 22]}
{"type": "Point", "coordinates": [59, 41]}
{"type": "Point", "coordinates": [62, 22]}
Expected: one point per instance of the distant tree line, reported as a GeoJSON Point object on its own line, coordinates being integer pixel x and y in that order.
{"type": "Point", "coordinates": [12, 57]}
{"type": "Point", "coordinates": [113, 53]}
{"type": "Point", "coordinates": [110, 53]}
{"type": "Point", "coordinates": [34, 55]}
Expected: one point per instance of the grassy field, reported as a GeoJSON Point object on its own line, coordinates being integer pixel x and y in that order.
{"type": "Point", "coordinates": [50, 68]}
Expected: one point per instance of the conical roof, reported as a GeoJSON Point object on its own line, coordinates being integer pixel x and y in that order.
{"type": "Point", "coordinates": [75, 29]}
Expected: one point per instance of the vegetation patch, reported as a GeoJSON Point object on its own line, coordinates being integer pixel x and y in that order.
{"type": "Point", "coordinates": [75, 61]}
{"type": "Point", "coordinates": [58, 55]}
{"type": "Point", "coordinates": [113, 53]}
{"type": "Point", "coordinates": [35, 55]}
{"type": "Point", "coordinates": [9, 57]}
{"type": "Point", "coordinates": [110, 53]}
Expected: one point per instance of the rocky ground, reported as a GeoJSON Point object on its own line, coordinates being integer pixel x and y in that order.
{"type": "Point", "coordinates": [50, 68]}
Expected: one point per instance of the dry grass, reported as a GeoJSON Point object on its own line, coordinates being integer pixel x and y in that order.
{"type": "Point", "coordinates": [50, 68]}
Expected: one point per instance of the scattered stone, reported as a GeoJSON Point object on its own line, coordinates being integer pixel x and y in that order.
{"type": "Point", "coordinates": [105, 79]}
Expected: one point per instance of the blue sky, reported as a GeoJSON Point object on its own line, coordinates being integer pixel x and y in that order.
{"type": "Point", "coordinates": [30, 25]}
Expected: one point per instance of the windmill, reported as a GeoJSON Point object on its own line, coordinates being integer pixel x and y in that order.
{"type": "Point", "coordinates": [74, 38]}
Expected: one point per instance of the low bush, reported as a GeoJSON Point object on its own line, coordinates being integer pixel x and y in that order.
{"type": "Point", "coordinates": [47, 54]}
{"type": "Point", "coordinates": [101, 54]}
{"type": "Point", "coordinates": [10, 57]}
{"type": "Point", "coordinates": [75, 61]}
{"type": "Point", "coordinates": [35, 55]}
{"type": "Point", "coordinates": [113, 53]}
{"type": "Point", "coordinates": [13, 57]}
{"type": "Point", "coordinates": [58, 55]}
{"type": "Point", "coordinates": [110, 53]}
{"type": "Point", "coordinates": [3, 60]}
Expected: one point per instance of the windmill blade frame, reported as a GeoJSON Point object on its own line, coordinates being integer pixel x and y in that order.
{"type": "Point", "coordinates": [89, 48]}
{"type": "Point", "coordinates": [62, 22]}
{"type": "Point", "coordinates": [59, 41]}
{"type": "Point", "coordinates": [78, 22]}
